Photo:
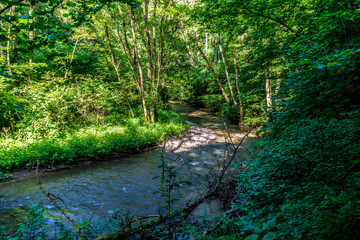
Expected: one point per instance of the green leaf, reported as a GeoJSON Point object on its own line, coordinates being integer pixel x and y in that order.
{"type": "Point", "coordinates": [252, 237]}
{"type": "Point", "coordinates": [82, 224]}
{"type": "Point", "coordinates": [269, 236]}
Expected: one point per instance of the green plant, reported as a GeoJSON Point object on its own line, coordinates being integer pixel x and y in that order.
{"type": "Point", "coordinates": [35, 226]}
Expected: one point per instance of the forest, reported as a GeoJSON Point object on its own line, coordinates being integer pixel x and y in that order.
{"type": "Point", "coordinates": [83, 79]}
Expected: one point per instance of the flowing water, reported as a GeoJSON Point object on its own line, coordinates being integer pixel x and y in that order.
{"type": "Point", "coordinates": [91, 192]}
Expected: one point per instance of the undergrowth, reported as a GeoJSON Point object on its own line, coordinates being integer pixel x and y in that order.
{"type": "Point", "coordinates": [129, 135]}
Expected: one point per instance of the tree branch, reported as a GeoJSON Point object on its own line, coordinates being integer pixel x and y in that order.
{"type": "Point", "coordinates": [9, 6]}
{"type": "Point", "coordinates": [272, 19]}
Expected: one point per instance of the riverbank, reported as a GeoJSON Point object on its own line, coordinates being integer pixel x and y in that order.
{"type": "Point", "coordinates": [127, 181]}
{"type": "Point", "coordinates": [131, 135]}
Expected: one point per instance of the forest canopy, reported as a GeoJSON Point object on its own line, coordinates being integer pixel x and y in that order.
{"type": "Point", "coordinates": [291, 67]}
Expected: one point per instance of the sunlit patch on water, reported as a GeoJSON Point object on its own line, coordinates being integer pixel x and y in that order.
{"type": "Point", "coordinates": [97, 190]}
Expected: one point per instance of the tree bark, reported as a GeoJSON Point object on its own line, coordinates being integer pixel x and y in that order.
{"type": "Point", "coordinates": [8, 44]}
{"type": "Point", "coordinates": [143, 102]}
{"type": "Point", "coordinates": [226, 70]}
{"type": "Point", "coordinates": [148, 50]}
{"type": "Point", "coordinates": [72, 57]}
{"type": "Point", "coordinates": [198, 53]}
{"type": "Point", "coordinates": [208, 63]}
{"type": "Point", "coordinates": [1, 47]}
{"type": "Point", "coordinates": [214, 45]}
{"type": "Point", "coordinates": [154, 87]}
{"type": "Point", "coordinates": [241, 112]}
{"type": "Point", "coordinates": [116, 68]}
{"type": "Point", "coordinates": [31, 37]}
{"type": "Point", "coordinates": [206, 38]}
{"type": "Point", "coordinates": [219, 52]}
{"type": "Point", "coordinates": [126, 46]}
{"type": "Point", "coordinates": [268, 88]}
{"type": "Point", "coordinates": [147, 34]}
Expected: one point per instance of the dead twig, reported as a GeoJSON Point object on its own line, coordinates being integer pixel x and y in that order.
{"type": "Point", "coordinates": [54, 202]}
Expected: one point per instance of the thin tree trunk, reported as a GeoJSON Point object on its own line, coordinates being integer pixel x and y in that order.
{"type": "Point", "coordinates": [214, 45]}
{"type": "Point", "coordinates": [154, 43]}
{"type": "Point", "coordinates": [148, 50]}
{"type": "Point", "coordinates": [1, 47]}
{"type": "Point", "coordinates": [161, 53]}
{"type": "Point", "coordinates": [116, 68]}
{"type": "Point", "coordinates": [198, 53]}
{"type": "Point", "coordinates": [268, 88]}
{"type": "Point", "coordinates": [143, 103]}
{"type": "Point", "coordinates": [15, 50]}
{"type": "Point", "coordinates": [126, 46]}
{"type": "Point", "coordinates": [192, 60]}
{"type": "Point", "coordinates": [147, 34]}
{"type": "Point", "coordinates": [72, 57]}
{"type": "Point", "coordinates": [278, 82]}
{"type": "Point", "coordinates": [279, 71]}
{"type": "Point", "coordinates": [219, 52]}
{"type": "Point", "coordinates": [130, 61]}
{"type": "Point", "coordinates": [1, 51]}
{"type": "Point", "coordinates": [31, 37]}
{"type": "Point", "coordinates": [226, 70]}
{"type": "Point", "coordinates": [206, 38]}
{"type": "Point", "coordinates": [113, 59]}
{"type": "Point", "coordinates": [8, 44]}
{"type": "Point", "coordinates": [208, 63]}
{"type": "Point", "coordinates": [239, 93]}
{"type": "Point", "coordinates": [124, 27]}
{"type": "Point", "coordinates": [154, 88]}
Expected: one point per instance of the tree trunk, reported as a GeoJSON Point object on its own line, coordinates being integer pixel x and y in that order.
{"type": "Point", "coordinates": [142, 90]}
{"type": "Point", "coordinates": [154, 87]}
{"type": "Point", "coordinates": [268, 89]}
{"type": "Point", "coordinates": [31, 37]}
{"type": "Point", "coordinates": [191, 58]}
{"type": "Point", "coordinates": [161, 53]}
{"type": "Point", "coordinates": [208, 63]}
{"type": "Point", "coordinates": [148, 47]}
{"type": "Point", "coordinates": [198, 53]}
{"type": "Point", "coordinates": [1, 47]}
{"type": "Point", "coordinates": [214, 45]}
{"type": "Point", "coordinates": [72, 57]}
{"type": "Point", "coordinates": [126, 46]}
{"type": "Point", "coordinates": [116, 68]}
{"type": "Point", "coordinates": [8, 44]}
{"type": "Point", "coordinates": [148, 50]}
{"type": "Point", "coordinates": [241, 114]}
{"type": "Point", "coordinates": [206, 38]}
{"type": "Point", "coordinates": [226, 70]}
{"type": "Point", "coordinates": [218, 48]}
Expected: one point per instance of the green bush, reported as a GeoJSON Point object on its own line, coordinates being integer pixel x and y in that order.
{"type": "Point", "coordinates": [303, 185]}
{"type": "Point", "coordinates": [133, 135]}
{"type": "Point", "coordinates": [213, 102]}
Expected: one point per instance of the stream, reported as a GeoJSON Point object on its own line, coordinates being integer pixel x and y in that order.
{"type": "Point", "coordinates": [97, 190]}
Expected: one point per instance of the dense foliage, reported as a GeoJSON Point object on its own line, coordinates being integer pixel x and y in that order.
{"type": "Point", "coordinates": [304, 184]}
{"type": "Point", "coordinates": [86, 78]}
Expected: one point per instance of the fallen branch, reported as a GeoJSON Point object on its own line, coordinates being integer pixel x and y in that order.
{"type": "Point", "coordinates": [54, 202]}
{"type": "Point", "coordinates": [183, 213]}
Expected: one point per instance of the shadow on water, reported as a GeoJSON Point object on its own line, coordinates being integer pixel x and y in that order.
{"type": "Point", "coordinates": [90, 192]}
